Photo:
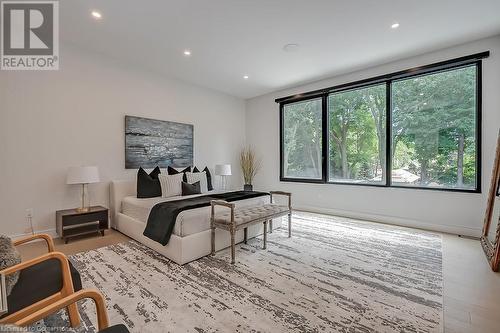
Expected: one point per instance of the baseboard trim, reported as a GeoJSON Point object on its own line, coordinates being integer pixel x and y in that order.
{"type": "Point", "coordinates": [51, 232]}
{"type": "Point", "coordinates": [385, 219]}
{"type": "Point", "coordinates": [393, 220]}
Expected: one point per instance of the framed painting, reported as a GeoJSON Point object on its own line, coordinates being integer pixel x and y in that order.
{"type": "Point", "coordinates": [150, 143]}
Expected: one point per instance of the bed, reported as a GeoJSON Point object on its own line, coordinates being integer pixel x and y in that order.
{"type": "Point", "coordinates": [190, 239]}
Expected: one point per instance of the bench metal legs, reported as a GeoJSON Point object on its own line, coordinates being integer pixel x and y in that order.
{"type": "Point", "coordinates": [232, 245]}
{"type": "Point", "coordinates": [265, 235]}
{"type": "Point", "coordinates": [289, 225]}
{"type": "Point", "coordinates": [232, 232]}
{"type": "Point", "coordinates": [213, 240]}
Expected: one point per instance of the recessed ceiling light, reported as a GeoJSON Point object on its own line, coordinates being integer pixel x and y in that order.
{"type": "Point", "coordinates": [291, 47]}
{"type": "Point", "coordinates": [421, 94]}
{"type": "Point", "coordinates": [187, 53]}
{"type": "Point", "coordinates": [395, 25]}
{"type": "Point", "coordinates": [95, 14]}
{"type": "Point", "coordinates": [245, 77]}
{"type": "Point", "coordinates": [425, 103]}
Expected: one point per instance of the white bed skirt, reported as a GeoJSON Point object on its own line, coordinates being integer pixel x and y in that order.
{"type": "Point", "coordinates": [184, 249]}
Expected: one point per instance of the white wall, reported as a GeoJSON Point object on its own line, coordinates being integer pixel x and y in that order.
{"type": "Point", "coordinates": [460, 213]}
{"type": "Point", "coordinates": [75, 116]}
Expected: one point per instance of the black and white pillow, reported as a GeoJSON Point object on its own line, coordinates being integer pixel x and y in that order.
{"type": "Point", "coordinates": [171, 185]}
{"type": "Point", "coordinates": [172, 171]}
{"type": "Point", "coordinates": [209, 177]}
{"type": "Point", "coordinates": [148, 185]}
{"type": "Point", "coordinates": [193, 177]}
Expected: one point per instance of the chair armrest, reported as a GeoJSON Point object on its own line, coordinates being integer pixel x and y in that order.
{"type": "Point", "coordinates": [46, 237]}
{"type": "Point", "coordinates": [52, 255]}
{"type": "Point", "coordinates": [288, 194]}
{"type": "Point", "coordinates": [65, 271]}
{"type": "Point", "coordinates": [96, 296]}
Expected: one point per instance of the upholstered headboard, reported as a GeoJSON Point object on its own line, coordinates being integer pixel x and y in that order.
{"type": "Point", "coordinates": [118, 190]}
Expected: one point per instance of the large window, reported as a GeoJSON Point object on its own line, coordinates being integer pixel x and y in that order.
{"type": "Point", "coordinates": [416, 129]}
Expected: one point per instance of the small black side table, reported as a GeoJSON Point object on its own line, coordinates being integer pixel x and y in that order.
{"type": "Point", "coordinates": [71, 223]}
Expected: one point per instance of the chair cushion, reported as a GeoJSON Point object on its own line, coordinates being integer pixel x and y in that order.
{"type": "Point", "coordinates": [120, 328]}
{"type": "Point", "coordinates": [248, 214]}
{"type": "Point", "coordinates": [38, 282]}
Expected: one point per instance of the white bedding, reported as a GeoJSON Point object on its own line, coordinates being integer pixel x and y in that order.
{"type": "Point", "coordinates": [189, 221]}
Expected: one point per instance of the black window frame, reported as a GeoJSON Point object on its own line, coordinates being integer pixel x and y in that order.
{"type": "Point", "coordinates": [388, 79]}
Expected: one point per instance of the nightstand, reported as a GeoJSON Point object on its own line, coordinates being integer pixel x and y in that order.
{"type": "Point", "coordinates": [71, 223]}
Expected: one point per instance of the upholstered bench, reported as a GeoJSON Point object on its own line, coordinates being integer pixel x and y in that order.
{"type": "Point", "coordinates": [236, 219]}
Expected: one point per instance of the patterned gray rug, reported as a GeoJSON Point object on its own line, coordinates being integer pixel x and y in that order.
{"type": "Point", "coordinates": [333, 275]}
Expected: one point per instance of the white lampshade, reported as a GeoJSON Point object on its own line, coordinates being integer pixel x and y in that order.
{"type": "Point", "coordinates": [83, 175]}
{"type": "Point", "coordinates": [223, 169]}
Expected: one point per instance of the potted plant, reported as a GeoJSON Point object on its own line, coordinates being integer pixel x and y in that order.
{"type": "Point", "coordinates": [250, 165]}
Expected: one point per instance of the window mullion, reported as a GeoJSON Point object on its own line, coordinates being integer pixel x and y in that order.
{"type": "Point", "coordinates": [388, 133]}
{"type": "Point", "coordinates": [325, 138]}
{"type": "Point", "coordinates": [479, 99]}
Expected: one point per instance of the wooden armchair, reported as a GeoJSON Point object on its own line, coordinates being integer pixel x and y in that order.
{"type": "Point", "coordinates": [45, 237]}
{"type": "Point", "coordinates": [42, 281]}
{"type": "Point", "coordinates": [96, 296]}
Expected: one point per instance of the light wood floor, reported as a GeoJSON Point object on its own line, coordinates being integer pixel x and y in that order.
{"type": "Point", "coordinates": [75, 245]}
{"type": "Point", "coordinates": [471, 289]}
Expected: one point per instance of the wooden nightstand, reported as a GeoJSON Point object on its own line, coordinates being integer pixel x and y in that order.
{"type": "Point", "coordinates": [71, 223]}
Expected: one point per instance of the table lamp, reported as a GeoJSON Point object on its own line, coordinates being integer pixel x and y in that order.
{"type": "Point", "coordinates": [223, 170]}
{"type": "Point", "coordinates": [83, 176]}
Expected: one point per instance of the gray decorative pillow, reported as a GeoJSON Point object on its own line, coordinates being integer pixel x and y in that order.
{"type": "Point", "coordinates": [9, 256]}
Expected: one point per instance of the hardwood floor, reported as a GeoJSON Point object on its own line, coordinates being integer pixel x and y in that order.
{"type": "Point", "coordinates": [75, 245]}
{"type": "Point", "coordinates": [471, 289]}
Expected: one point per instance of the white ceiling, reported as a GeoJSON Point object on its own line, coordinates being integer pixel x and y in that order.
{"type": "Point", "coordinates": [231, 38]}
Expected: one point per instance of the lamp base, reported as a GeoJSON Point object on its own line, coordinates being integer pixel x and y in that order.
{"type": "Point", "coordinates": [85, 204]}
{"type": "Point", "coordinates": [83, 209]}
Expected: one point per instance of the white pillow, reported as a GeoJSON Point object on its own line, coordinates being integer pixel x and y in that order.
{"type": "Point", "coordinates": [193, 177]}
{"type": "Point", "coordinates": [171, 185]}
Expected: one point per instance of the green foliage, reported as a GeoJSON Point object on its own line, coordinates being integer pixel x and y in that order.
{"type": "Point", "coordinates": [435, 113]}
{"type": "Point", "coordinates": [433, 131]}
{"type": "Point", "coordinates": [303, 139]}
{"type": "Point", "coordinates": [354, 144]}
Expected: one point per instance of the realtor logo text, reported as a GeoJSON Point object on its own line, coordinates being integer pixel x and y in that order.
{"type": "Point", "coordinates": [30, 35]}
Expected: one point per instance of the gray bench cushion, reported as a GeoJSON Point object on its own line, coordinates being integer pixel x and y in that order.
{"type": "Point", "coordinates": [247, 214]}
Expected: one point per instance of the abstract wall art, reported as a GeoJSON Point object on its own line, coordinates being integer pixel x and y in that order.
{"type": "Point", "coordinates": [150, 142]}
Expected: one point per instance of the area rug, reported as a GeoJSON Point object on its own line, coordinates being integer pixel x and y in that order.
{"type": "Point", "coordinates": [334, 275]}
